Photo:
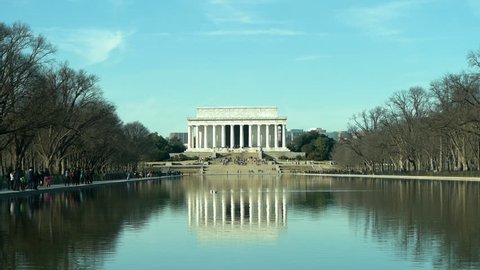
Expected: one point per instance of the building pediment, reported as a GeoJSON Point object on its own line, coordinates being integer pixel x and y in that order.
{"type": "Point", "coordinates": [237, 113]}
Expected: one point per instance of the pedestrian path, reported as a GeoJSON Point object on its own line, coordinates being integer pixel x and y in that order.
{"type": "Point", "coordinates": [400, 177]}
{"type": "Point", "coordinates": [5, 193]}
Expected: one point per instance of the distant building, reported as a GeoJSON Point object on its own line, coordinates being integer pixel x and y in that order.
{"type": "Point", "coordinates": [336, 135]}
{"type": "Point", "coordinates": [182, 136]}
{"type": "Point", "coordinates": [319, 130]}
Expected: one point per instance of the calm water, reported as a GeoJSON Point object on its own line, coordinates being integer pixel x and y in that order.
{"type": "Point", "coordinates": [247, 223]}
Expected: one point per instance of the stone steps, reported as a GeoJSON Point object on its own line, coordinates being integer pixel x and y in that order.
{"type": "Point", "coordinates": [241, 169]}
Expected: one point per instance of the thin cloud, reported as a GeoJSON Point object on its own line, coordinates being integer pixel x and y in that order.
{"type": "Point", "coordinates": [378, 20]}
{"type": "Point", "coordinates": [233, 18]}
{"type": "Point", "coordinates": [93, 45]}
{"type": "Point", "coordinates": [254, 32]}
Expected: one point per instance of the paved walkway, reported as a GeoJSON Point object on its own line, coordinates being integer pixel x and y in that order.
{"type": "Point", "coordinates": [400, 177]}
{"type": "Point", "coordinates": [5, 193]}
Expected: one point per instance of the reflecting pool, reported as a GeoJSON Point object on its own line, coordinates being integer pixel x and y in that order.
{"type": "Point", "coordinates": [247, 222]}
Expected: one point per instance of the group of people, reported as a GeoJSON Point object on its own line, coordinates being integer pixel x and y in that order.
{"type": "Point", "coordinates": [29, 179]}
{"type": "Point", "coordinates": [136, 174]}
{"type": "Point", "coordinates": [77, 176]}
{"type": "Point", "coordinates": [149, 174]}
{"type": "Point", "coordinates": [243, 161]}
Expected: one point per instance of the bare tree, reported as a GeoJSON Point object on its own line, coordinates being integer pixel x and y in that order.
{"type": "Point", "coordinates": [22, 56]}
{"type": "Point", "coordinates": [420, 130]}
{"type": "Point", "coordinates": [77, 102]}
{"type": "Point", "coordinates": [54, 116]}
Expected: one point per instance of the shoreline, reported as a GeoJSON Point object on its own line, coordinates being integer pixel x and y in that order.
{"type": "Point", "coordinates": [400, 177]}
{"type": "Point", "coordinates": [6, 193]}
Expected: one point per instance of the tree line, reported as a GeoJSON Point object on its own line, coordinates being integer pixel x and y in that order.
{"type": "Point", "coordinates": [432, 130]}
{"type": "Point", "coordinates": [316, 146]}
{"type": "Point", "coordinates": [55, 117]}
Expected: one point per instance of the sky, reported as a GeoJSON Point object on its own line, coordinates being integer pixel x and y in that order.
{"type": "Point", "coordinates": [318, 61]}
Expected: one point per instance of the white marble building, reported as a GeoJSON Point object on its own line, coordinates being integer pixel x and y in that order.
{"type": "Point", "coordinates": [247, 129]}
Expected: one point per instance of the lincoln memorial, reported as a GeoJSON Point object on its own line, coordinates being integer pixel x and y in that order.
{"type": "Point", "coordinates": [249, 129]}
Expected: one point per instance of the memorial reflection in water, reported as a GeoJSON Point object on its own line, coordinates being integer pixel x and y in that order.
{"type": "Point", "coordinates": [244, 215]}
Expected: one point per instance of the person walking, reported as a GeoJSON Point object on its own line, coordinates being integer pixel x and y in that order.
{"type": "Point", "coordinates": [30, 178]}
{"type": "Point", "coordinates": [47, 178]}
{"type": "Point", "coordinates": [66, 177]}
{"type": "Point", "coordinates": [10, 181]}
{"type": "Point", "coordinates": [38, 178]}
{"type": "Point", "coordinates": [16, 178]}
{"type": "Point", "coordinates": [88, 175]}
{"type": "Point", "coordinates": [76, 176]}
{"type": "Point", "coordinates": [82, 176]}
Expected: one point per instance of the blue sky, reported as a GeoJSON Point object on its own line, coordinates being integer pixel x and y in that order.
{"type": "Point", "coordinates": [318, 61]}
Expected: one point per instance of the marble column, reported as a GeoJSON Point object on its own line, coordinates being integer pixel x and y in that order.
{"type": "Point", "coordinates": [231, 136]}
{"type": "Point", "coordinates": [189, 143]}
{"type": "Point", "coordinates": [250, 144]}
{"type": "Point", "coordinates": [275, 136]}
{"type": "Point", "coordinates": [259, 142]}
{"type": "Point", "coordinates": [205, 137]}
{"type": "Point", "coordinates": [267, 136]}
{"type": "Point", "coordinates": [241, 136]}
{"type": "Point", "coordinates": [192, 136]}
{"type": "Point", "coordinates": [197, 134]}
{"type": "Point", "coordinates": [284, 131]}
{"type": "Point", "coordinates": [223, 136]}
{"type": "Point", "coordinates": [214, 135]}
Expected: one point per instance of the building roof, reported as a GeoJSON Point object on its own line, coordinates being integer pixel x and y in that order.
{"type": "Point", "coordinates": [236, 113]}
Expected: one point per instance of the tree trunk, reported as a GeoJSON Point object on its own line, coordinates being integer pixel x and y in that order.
{"type": "Point", "coordinates": [440, 158]}
{"type": "Point", "coordinates": [462, 157]}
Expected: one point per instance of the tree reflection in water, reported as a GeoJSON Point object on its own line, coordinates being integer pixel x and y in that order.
{"type": "Point", "coordinates": [422, 220]}
{"type": "Point", "coordinates": [73, 230]}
